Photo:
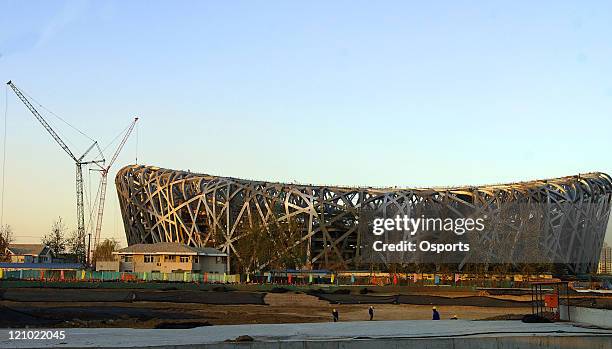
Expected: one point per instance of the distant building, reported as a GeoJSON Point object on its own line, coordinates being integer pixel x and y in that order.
{"type": "Point", "coordinates": [30, 253]}
{"type": "Point", "coordinates": [166, 257]}
{"type": "Point", "coordinates": [605, 261]}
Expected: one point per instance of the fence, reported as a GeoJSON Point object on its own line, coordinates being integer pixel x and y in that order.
{"type": "Point", "coordinates": [84, 275]}
{"type": "Point", "coordinates": [281, 278]}
{"type": "Point", "coordinates": [394, 279]}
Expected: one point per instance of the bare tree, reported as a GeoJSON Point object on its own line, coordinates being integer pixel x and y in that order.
{"type": "Point", "coordinates": [75, 245]}
{"type": "Point", "coordinates": [56, 239]}
{"type": "Point", "coordinates": [6, 238]}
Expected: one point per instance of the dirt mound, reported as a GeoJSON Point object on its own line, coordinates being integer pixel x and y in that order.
{"type": "Point", "coordinates": [341, 291]}
{"type": "Point", "coordinates": [506, 291]}
{"type": "Point", "coordinates": [357, 299]}
{"type": "Point", "coordinates": [366, 290]}
{"type": "Point", "coordinates": [478, 301]}
{"type": "Point", "coordinates": [279, 290]}
{"type": "Point", "coordinates": [15, 318]}
{"type": "Point", "coordinates": [93, 295]}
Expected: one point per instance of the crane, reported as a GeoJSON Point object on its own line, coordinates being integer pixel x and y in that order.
{"type": "Point", "coordinates": [79, 162]}
{"type": "Point", "coordinates": [103, 181]}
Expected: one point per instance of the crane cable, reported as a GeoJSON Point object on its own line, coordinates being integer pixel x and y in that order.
{"type": "Point", "coordinates": [4, 156]}
{"type": "Point", "coordinates": [88, 196]}
{"type": "Point", "coordinates": [57, 116]}
{"type": "Point", "coordinates": [136, 144]}
{"type": "Point", "coordinates": [116, 138]}
{"type": "Point", "coordinates": [67, 139]}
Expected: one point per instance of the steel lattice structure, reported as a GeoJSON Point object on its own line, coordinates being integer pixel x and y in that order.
{"type": "Point", "coordinates": [203, 210]}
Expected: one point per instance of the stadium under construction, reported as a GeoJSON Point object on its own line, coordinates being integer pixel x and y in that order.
{"type": "Point", "coordinates": [264, 225]}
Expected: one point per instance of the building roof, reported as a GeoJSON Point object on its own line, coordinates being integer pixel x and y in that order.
{"type": "Point", "coordinates": [170, 248]}
{"type": "Point", "coordinates": [27, 249]}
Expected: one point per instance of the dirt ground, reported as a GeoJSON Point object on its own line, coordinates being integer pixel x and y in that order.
{"type": "Point", "coordinates": [359, 312]}
{"type": "Point", "coordinates": [281, 308]}
{"type": "Point", "coordinates": [141, 308]}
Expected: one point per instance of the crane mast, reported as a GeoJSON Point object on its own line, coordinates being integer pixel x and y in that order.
{"type": "Point", "coordinates": [104, 179]}
{"type": "Point", "coordinates": [78, 162]}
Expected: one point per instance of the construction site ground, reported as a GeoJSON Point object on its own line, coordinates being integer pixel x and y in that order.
{"type": "Point", "coordinates": [51, 307]}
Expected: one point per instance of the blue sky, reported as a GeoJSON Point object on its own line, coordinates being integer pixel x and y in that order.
{"type": "Point", "coordinates": [343, 92]}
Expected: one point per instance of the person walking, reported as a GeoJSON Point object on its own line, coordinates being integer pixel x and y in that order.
{"type": "Point", "coordinates": [371, 312]}
{"type": "Point", "coordinates": [436, 315]}
{"type": "Point", "coordinates": [335, 315]}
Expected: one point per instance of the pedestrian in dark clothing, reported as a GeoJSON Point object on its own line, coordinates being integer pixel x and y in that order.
{"type": "Point", "coordinates": [335, 315]}
{"type": "Point", "coordinates": [436, 315]}
{"type": "Point", "coordinates": [371, 312]}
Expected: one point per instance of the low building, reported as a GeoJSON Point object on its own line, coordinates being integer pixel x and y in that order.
{"type": "Point", "coordinates": [108, 265]}
{"type": "Point", "coordinates": [168, 257]}
{"type": "Point", "coordinates": [30, 253]}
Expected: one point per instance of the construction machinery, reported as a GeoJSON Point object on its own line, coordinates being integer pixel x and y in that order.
{"type": "Point", "coordinates": [79, 162]}
{"type": "Point", "coordinates": [104, 178]}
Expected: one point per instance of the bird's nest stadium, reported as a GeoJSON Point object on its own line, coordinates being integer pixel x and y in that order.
{"type": "Point", "coordinates": [263, 225]}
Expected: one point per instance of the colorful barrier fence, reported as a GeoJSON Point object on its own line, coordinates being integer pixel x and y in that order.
{"type": "Point", "coordinates": [84, 275]}
{"type": "Point", "coordinates": [287, 278]}
{"type": "Point", "coordinates": [395, 279]}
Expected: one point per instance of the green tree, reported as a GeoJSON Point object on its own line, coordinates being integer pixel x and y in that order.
{"type": "Point", "coordinates": [104, 250]}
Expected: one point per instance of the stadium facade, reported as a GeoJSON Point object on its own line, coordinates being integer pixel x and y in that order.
{"type": "Point", "coordinates": [263, 225]}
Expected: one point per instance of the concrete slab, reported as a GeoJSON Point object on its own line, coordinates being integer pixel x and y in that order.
{"type": "Point", "coordinates": [311, 335]}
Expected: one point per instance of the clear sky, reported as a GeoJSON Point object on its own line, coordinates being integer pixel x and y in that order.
{"type": "Point", "coordinates": [328, 92]}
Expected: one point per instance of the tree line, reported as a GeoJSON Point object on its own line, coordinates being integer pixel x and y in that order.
{"type": "Point", "coordinates": [62, 244]}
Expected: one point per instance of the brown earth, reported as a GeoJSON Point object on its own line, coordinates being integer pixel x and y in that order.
{"type": "Point", "coordinates": [281, 308]}
{"type": "Point", "coordinates": [44, 307]}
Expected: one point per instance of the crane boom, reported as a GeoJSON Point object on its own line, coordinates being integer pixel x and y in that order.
{"type": "Point", "coordinates": [104, 180]}
{"type": "Point", "coordinates": [41, 120]}
{"type": "Point", "coordinates": [125, 138]}
{"type": "Point", "coordinates": [79, 167]}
